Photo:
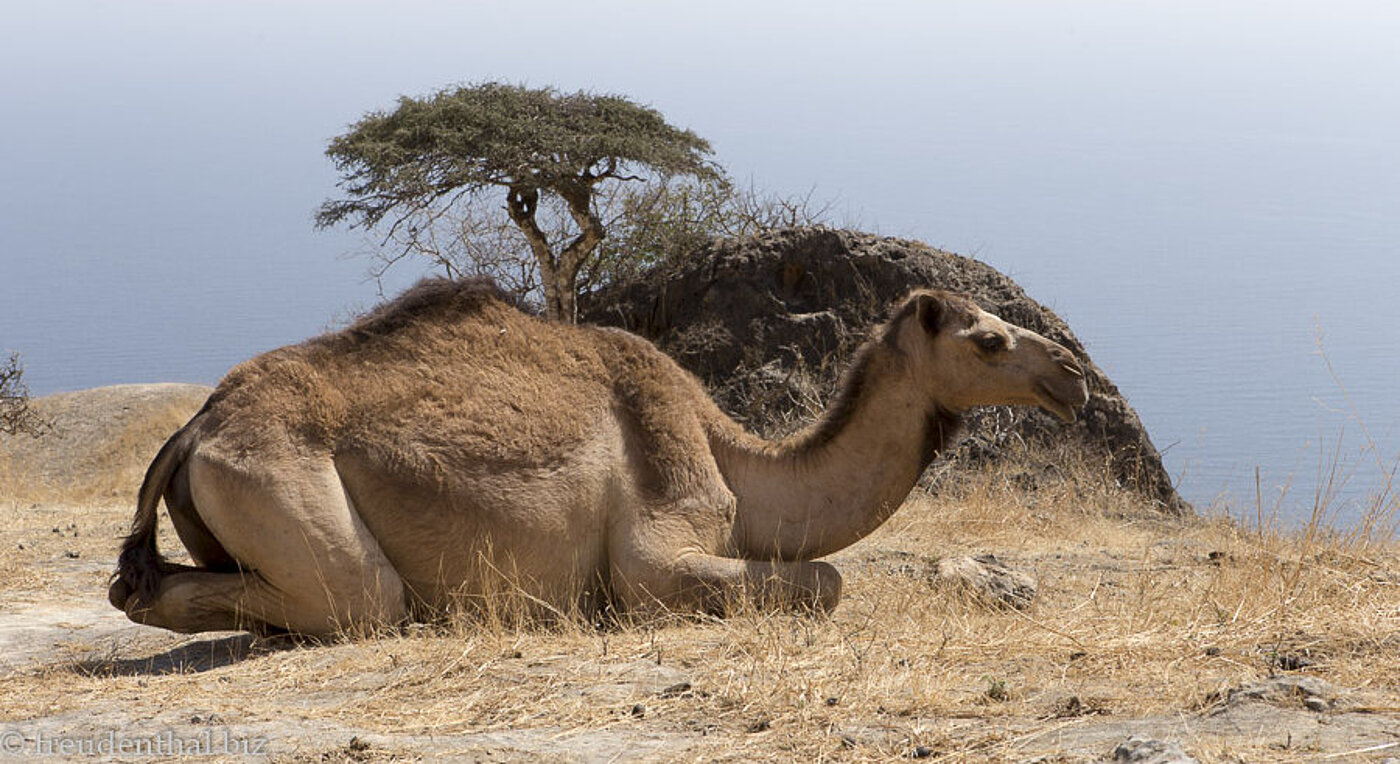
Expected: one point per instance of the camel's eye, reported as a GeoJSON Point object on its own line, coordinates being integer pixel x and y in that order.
{"type": "Point", "coordinates": [991, 343]}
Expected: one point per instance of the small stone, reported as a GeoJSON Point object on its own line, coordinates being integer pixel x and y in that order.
{"type": "Point", "coordinates": [676, 690]}
{"type": "Point", "coordinates": [1212, 651]}
{"type": "Point", "coordinates": [988, 578]}
{"type": "Point", "coordinates": [921, 752]}
{"type": "Point", "coordinates": [1143, 750]}
{"type": "Point", "coordinates": [1069, 707]}
{"type": "Point", "coordinates": [72, 555]}
{"type": "Point", "coordinates": [639, 710]}
{"type": "Point", "coordinates": [1314, 703]}
{"type": "Point", "coordinates": [832, 701]}
{"type": "Point", "coordinates": [1282, 689]}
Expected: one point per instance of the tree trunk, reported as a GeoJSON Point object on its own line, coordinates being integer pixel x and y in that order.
{"type": "Point", "coordinates": [579, 197]}
{"type": "Point", "coordinates": [564, 306]}
{"type": "Point", "coordinates": [559, 273]}
{"type": "Point", "coordinates": [521, 203]}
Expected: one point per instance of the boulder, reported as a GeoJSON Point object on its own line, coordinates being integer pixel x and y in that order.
{"type": "Point", "coordinates": [769, 321]}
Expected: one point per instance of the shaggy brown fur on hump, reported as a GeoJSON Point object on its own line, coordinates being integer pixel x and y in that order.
{"type": "Point", "coordinates": [431, 298]}
{"type": "Point", "coordinates": [942, 427]}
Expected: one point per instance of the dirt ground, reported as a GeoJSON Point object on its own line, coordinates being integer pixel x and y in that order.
{"type": "Point", "coordinates": [1148, 636]}
{"type": "Point", "coordinates": [75, 672]}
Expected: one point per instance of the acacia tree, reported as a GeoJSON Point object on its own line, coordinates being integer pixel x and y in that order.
{"type": "Point", "coordinates": [402, 171]}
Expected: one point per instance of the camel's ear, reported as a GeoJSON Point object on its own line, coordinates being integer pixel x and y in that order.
{"type": "Point", "coordinates": [931, 311]}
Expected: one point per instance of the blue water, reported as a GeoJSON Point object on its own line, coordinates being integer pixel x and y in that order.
{"type": "Point", "coordinates": [1210, 195]}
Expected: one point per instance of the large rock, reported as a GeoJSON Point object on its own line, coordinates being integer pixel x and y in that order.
{"type": "Point", "coordinates": [769, 321]}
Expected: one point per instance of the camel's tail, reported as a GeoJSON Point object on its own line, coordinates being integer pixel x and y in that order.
{"type": "Point", "coordinates": [140, 566]}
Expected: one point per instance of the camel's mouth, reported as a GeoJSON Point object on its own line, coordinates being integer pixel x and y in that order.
{"type": "Point", "coordinates": [1064, 402]}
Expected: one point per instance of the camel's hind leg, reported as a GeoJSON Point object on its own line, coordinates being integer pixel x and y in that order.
{"type": "Point", "coordinates": [192, 600]}
{"type": "Point", "coordinates": [309, 564]}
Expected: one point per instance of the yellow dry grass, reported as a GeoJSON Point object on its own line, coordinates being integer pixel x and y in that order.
{"type": "Point", "coordinates": [1137, 615]}
{"type": "Point", "coordinates": [105, 466]}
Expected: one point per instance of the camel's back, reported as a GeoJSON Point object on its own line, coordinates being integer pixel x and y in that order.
{"type": "Point", "coordinates": [448, 372]}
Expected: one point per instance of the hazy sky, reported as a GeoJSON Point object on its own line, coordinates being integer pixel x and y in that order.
{"type": "Point", "coordinates": [1127, 161]}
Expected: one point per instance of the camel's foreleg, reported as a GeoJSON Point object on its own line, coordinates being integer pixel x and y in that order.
{"type": "Point", "coordinates": [769, 585]}
{"type": "Point", "coordinates": [694, 581]}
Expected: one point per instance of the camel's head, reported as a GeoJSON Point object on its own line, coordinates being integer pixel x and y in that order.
{"type": "Point", "coordinates": [965, 356]}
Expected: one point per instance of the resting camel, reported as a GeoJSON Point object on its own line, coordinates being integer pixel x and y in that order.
{"type": "Point", "coordinates": [448, 441]}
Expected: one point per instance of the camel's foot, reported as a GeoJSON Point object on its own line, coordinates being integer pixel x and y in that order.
{"type": "Point", "coordinates": [118, 593]}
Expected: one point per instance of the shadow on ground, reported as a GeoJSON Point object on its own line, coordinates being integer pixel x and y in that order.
{"type": "Point", "coordinates": [192, 658]}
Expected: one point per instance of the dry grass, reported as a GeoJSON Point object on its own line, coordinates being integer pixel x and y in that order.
{"type": "Point", "coordinates": [1137, 615]}
{"type": "Point", "coordinates": [98, 443]}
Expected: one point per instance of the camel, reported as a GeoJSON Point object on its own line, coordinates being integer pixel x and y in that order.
{"type": "Point", "coordinates": [448, 442]}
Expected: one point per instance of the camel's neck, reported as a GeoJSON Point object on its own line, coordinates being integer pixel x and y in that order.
{"type": "Point", "coordinates": [836, 482]}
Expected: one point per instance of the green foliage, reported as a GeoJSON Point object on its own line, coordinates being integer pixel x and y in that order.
{"type": "Point", "coordinates": [410, 167]}
{"type": "Point", "coordinates": [494, 134]}
{"type": "Point", "coordinates": [996, 690]}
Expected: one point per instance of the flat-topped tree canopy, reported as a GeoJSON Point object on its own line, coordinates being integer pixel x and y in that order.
{"type": "Point", "coordinates": [402, 167]}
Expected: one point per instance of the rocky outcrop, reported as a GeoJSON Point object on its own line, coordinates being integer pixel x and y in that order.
{"type": "Point", "coordinates": [768, 321]}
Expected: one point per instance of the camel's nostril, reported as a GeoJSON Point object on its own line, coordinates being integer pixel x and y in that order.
{"type": "Point", "coordinates": [1065, 359]}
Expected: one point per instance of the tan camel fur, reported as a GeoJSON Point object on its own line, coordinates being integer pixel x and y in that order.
{"type": "Point", "coordinates": [448, 446]}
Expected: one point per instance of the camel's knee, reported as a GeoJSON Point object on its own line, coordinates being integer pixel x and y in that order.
{"type": "Point", "coordinates": [379, 603]}
{"type": "Point", "coordinates": [318, 610]}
